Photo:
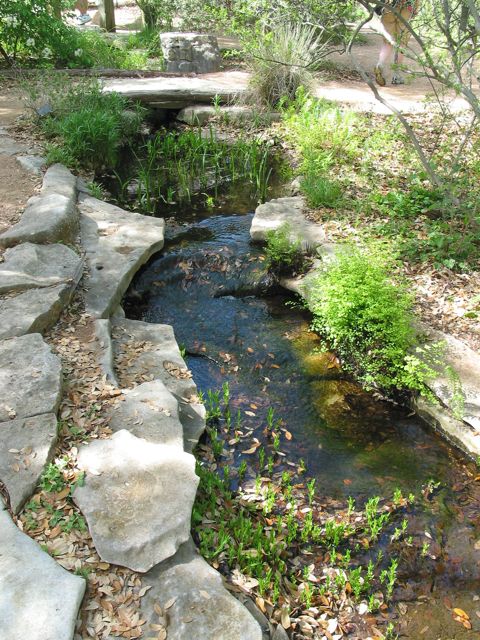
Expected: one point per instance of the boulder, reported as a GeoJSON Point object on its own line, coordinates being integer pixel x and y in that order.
{"type": "Point", "coordinates": [39, 600]}
{"type": "Point", "coordinates": [117, 243]}
{"type": "Point", "coordinates": [190, 52]}
{"type": "Point", "coordinates": [272, 215]}
{"type": "Point", "coordinates": [50, 217]}
{"type": "Point", "coordinates": [26, 446]}
{"type": "Point", "coordinates": [104, 345]}
{"type": "Point", "coordinates": [457, 384]}
{"type": "Point", "coordinates": [30, 378]}
{"type": "Point", "coordinates": [33, 311]}
{"type": "Point", "coordinates": [28, 266]}
{"type": "Point", "coordinates": [137, 499]}
{"type": "Point", "coordinates": [33, 164]}
{"type": "Point", "coordinates": [202, 607]}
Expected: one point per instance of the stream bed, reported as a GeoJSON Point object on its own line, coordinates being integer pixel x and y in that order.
{"type": "Point", "coordinates": [210, 284]}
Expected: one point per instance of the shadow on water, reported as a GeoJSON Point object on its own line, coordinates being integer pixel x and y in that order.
{"type": "Point", "coordinates": [211, 285]}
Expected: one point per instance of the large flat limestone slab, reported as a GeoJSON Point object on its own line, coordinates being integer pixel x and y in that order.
{"type": "Point", "coordinates": [117, 243]}
{"type": "Point", "coordinates": [179, 92]}
{"type": "Point", "coordinates": [33, 311]}
{"type": "Point", "coordinates": [202, 606]}
{"type": "Point", "coordinates": [39, 600]}
{"type": "Point", "coordinates": [149, 411]}
{"type": "Point", "coordinates": [272, 215]}
{"type": "Point", "coordinates": [30, 378]}
{"type": "Point", "coordinates": [160, 351]}
{"type": "Point", "coordinates": [28, 266]}
{"type": "Point", "coordinates": [457, 384]}
{"type": "Point", "coordinates": [50, 217]}
{"type": "Point", "coordinates": [26, 446]}
{"type": "Point", "coordinates": [137, 499]}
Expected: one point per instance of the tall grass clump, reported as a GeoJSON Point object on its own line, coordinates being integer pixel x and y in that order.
{"type": "Point", "coordinates": [320, 191]}
{"type": "Point", "coordinates": [282, 60]}
{"type": "Point", "coordinates": [366, 315]}
{"type": "Point", "coordinates": [85, 126]}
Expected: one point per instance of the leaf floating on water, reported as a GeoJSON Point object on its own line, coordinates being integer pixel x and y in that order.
{"type": "Point", "coordinates": [288, 435]}
{"type": "Point", "coordinates": [461, 613]}
{"type": "Point", "coordinates": [347, 482]}
{"type": "Point", "coordinates": [250, 413]}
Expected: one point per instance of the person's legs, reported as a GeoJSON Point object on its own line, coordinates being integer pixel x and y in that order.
{"type": "Point", "coordinates": [82, 7]}
{"type": "Point", "coordinates": [402, 37]}
{"type": "Point", "coordinates": [386, 50]}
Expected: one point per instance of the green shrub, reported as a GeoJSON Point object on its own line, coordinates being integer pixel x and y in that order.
{"type": "Point", "coordinates": [284, 254]}
{"type": "Point", "coordinates": [87, 126]}
{"type": "Point", "coordinates": [320, 191]}
{"type": "Point", "coordinates": [367, 318]}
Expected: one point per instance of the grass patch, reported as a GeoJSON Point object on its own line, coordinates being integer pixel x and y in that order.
{"type": "Point", "coordinates": [320, 191]}
{"type": "Point", "coordinates": [86, 127]}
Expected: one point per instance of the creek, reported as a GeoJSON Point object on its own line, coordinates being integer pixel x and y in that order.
{"type": "Point", "coordinates": [210, 284]}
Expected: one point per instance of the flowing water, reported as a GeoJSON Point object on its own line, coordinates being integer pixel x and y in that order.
{"type": "Point", "coordinates": [210, 284]}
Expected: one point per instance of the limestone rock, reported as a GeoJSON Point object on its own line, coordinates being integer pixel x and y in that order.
{"type": "Point", "coordinates": [159, 353]}
{"type": "Point", "coordinates": [105, 349]}
{"type": "Point", "coordinates": [26, 446]}
{"type": "Point", "coordinates": [137, 499]}
{"type": "Point", "coordinates": [9, 146]}
{"type": "Point", "coordinates": [274, 214]}
{"type": "Point", "coordinates": [202, 607]}
{"type": "Point", "coordinates": [149, 411]}
{"type": "Point", "coordinates": [33, 164]}
{"type": "Point", "coordinates": [458, 385]}
{"type": "Point", "coordinates": [50, 217]}
{"type": "Point", "coordinates": [190, 52]}
{"type": "Point", "coordinates": [179, 92]}
{"type": "Point", "coordinates": [39, 600]}
{"type": "Point", "coordinates": [30, 378]}
{"type": "Point", "coordinates": [30, 265]}
{"type": "Point", "coordinates": [117, 243]}
{"type": "Point", "coordinates": [33, 311]}
{"type": "Point", "coordinates": [459, 433]}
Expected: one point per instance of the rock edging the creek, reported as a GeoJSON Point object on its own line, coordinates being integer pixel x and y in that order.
{"type": "Point", "coordinates": [140, 482]}
{"type": "Point", "coordinates": [463, 432]}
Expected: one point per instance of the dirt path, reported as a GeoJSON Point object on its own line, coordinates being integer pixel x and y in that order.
{"type": "Point", "coordinates": [16, 184]}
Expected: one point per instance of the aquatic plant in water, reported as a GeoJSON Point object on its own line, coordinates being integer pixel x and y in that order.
{"type": "Point", "coordinates": [177, 166]}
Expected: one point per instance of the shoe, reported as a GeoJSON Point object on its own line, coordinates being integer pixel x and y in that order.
{"type": "Point", "coordinates": [83, 19]}
{"type": "Point", "coordinates": [397, 79]}
{"type": "Point", "coordinates": [379, 77]}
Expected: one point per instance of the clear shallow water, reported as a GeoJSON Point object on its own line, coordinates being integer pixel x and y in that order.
{"type": "Point", "coordinates": [203, 284]}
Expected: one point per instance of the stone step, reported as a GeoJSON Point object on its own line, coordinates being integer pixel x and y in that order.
{"type": "Point", "coordinates": [145, 350]}
{"type": "Point", "coordinates": [179, 92]}
{"type": "Point", "coordinates": [30, 378]}
{"type": "Point", "coordinates": [149, 411]}
{"type": "Point", "coordinates": [137, 499]}
{"type": "Point", "coordinates": [31, 266]}
{"type": "Point", "coordinates": [199, 606]}
{"type": "Point", "coordinates": [26, 446]}
{"type": "Point", "coordinates": [50, 217]}
{"type": "Point", "coordinates": [117, 243]}
{"type": "Point", "coordinates": [272, 215]}
{"type": "Point", "coordinates": [33, 311]}
{"type": "Point", "coordinates": [200, 114]}
{"type": "Point", "coordinates": [39, 600]}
